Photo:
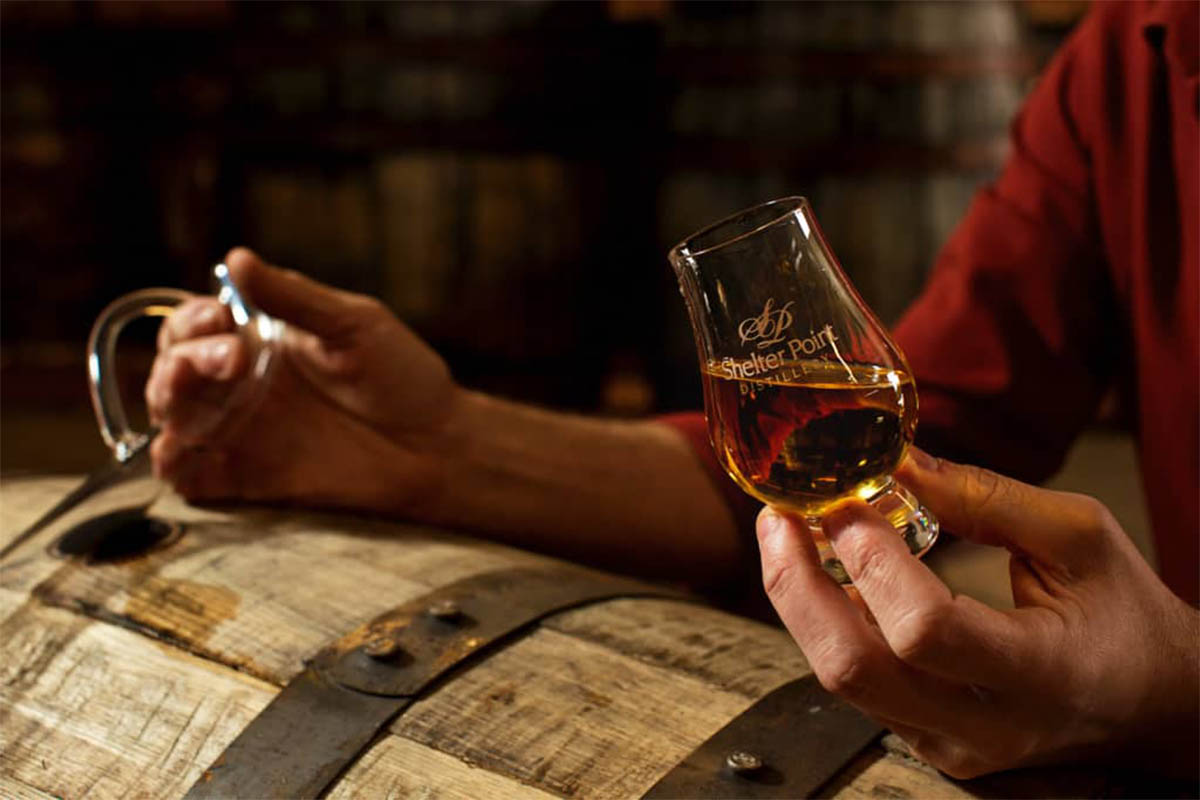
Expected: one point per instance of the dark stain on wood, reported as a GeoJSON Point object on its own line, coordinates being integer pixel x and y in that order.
{"type": "Point", "coordinates": [181, 612]}
{"type": "Point", "coordinates": [185, 609]}
{"type": "Point", "coordinates": [504, 695]}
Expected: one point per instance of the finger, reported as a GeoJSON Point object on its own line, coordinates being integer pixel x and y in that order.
{"type": "Point", "coordinates": [923, 623]}
{"type": "Point", "coordinates": [199, 316]}
{"type": "Point", "coordinates": [195, 473]}
{"type": "Point", "coordinates": [988, 508]}
{"type": "Point", "coordinates": [848, 655]}
{"type": "Point", "coordinates": [811, 605]}
{"type": "Point", "coordinates": [191, 384]}
{"type": "Point", "coordinates": [294, 298]}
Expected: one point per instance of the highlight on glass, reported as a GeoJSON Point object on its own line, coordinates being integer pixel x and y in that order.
{"type": "Point", "coordinates": [809, 402]}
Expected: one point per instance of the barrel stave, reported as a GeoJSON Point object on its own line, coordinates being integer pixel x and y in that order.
{"type": "Point", "coordinates": [733, 654]}
{"type": "Point", "coordinates": [88, 708]}
{"type": "Point", "coordinates": [570, 716]}
{"type": "Point", "coordinates": [102, 692]}
{"type": "Point", "coordinates": [13, 789]}
{"type": "Point", "coordinates": [399, 767]}
{"type": "Point", "coordinates": [265, 591]}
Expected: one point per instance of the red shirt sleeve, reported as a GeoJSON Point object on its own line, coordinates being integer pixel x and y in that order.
{"type": "Point", "coordinates": [694, 428]}
{"type": "Point", "coordinates": [1012, 340]}
{"type": "Point", "coordinates": [1007, 340]}
{"type": "Point", "coordinates": [1075, 270]}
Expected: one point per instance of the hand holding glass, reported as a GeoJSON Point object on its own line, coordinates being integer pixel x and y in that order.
{"type": "Point", "coordinates": [809, 402]}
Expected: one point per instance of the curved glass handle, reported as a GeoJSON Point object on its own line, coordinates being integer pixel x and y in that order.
{"type": "Point", "coordinates": [259, 332]}
{"type": "Point", "coordinates": [102, 384]}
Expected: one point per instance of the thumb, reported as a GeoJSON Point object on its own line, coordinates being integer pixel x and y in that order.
{"type": "Point", "coordinates": [985, 507]}
{"type": "Point", "coordinates": [298, 300]}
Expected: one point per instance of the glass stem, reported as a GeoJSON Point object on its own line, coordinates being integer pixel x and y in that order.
{"type": "Point", "coordinates": [897, 504]}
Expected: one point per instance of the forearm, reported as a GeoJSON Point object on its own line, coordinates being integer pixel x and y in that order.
{"type": "Point", "coordinates": [629, 495]}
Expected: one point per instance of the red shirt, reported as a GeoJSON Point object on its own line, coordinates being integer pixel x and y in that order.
{"type": "Point", "coordinates": [1077, 269]}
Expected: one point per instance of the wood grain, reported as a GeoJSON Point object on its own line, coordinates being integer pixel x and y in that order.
{"type": "Point", "coordinates": [395, 767]}
{"type": "Point", "coordinates": [570, 716]}
{"type": "Point", "coordinates": [24, 499]}
{"type": "Point", "coordinates": [90, 709]}
{"type": "Point", "coordinates": [13, 789]}
{"type": "Point", "coordinates": [880, 774]}
{"type": "Point", "coordinates": [266, 591]}
{"type": "Point", "coordinates": [102, 693]}
{"type": "Point", "coordinates": [730, 653]}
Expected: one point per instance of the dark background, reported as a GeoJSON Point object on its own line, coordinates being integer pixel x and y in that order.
{"type": "Point", "coordinates": [507, 176]}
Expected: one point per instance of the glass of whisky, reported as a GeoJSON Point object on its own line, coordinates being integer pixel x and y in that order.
{"type": "Point", "coordinates": [809, 402]}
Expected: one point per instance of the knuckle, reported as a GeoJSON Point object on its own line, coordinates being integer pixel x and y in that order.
{"type": "Point", "coordinates": [1093, 515]}
{"type": "Point", "coordinates": [171, 375]}
{"type": "Point", "coordinates": [150, 391]}
{"type": "Point", "coordinates": [917, 637]}
{"type": "Point", "coordinates": [293, 276]}
{"type": "Point", "coordinates": [163, 340]}
{"type": "Point", "coordinates": [230, 358]}
{"type": "Point", "coordinates": [779, 576]}
{"type": "Point", "coordinates": [998, 754]}
{"type": "Point", "coordinates": [960, 765]}
{"type": "Point", "coordinates": [845, 671]}
{"type": "Point", "coordinates": [370, 309]}
{"type": "Point", "coordinates": [965, 759]}
{"type": "Point", "coordinates": [984, 486]}
{"type": "Point", "coordinates": [160, 386]}
{"type": "Point", "coordinates": [195, 317]}
{"type": "Point", "coordinates": [873, 564]}
{"type": "Point", "coordinates": [948, 755]}
{"type": "Point", "coordinates": [982, 491]}
{"type": "Point", "coordinates": [1086, 529]}
{"type": "Point", "coordinates": [240, 251]}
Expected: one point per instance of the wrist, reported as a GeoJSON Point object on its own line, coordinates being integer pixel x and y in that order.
{"type": "Point", "coordinates": [1168, 738]}
{"type": "Point", "coordinates": [445, 460]}
{"type": "Point", "coordinates": [1183, 724]}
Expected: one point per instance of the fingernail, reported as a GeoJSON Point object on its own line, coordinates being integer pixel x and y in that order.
{"type": "Point", "coordinates": [769, 524]}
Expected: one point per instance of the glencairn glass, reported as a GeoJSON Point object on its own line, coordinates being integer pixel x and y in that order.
{"type": "Point", "coordinates": [809, 402]}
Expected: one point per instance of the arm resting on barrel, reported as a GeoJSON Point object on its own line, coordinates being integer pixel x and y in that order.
{"type": "Point", "coordinates": [361, 414]}
{"type": "Point", "coordinates": [631, 496]}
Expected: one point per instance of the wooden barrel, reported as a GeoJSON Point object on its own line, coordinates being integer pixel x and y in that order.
{"type": "Point", "coordinates": [130, 679]}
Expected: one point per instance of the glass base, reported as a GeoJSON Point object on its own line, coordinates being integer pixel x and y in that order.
{"type": "Point", "coordinates": [911, 520]}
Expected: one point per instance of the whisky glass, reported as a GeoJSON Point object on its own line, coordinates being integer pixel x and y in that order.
{"type": "Point", "coordinates": [809, 402]}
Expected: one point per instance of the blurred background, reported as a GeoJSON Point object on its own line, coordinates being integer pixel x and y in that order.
{"type": "Point", "coordinates": [506, 176]}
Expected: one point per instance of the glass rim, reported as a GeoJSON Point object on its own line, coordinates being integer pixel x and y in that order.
{"type": "Point", "coordinates": [794, 203]}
